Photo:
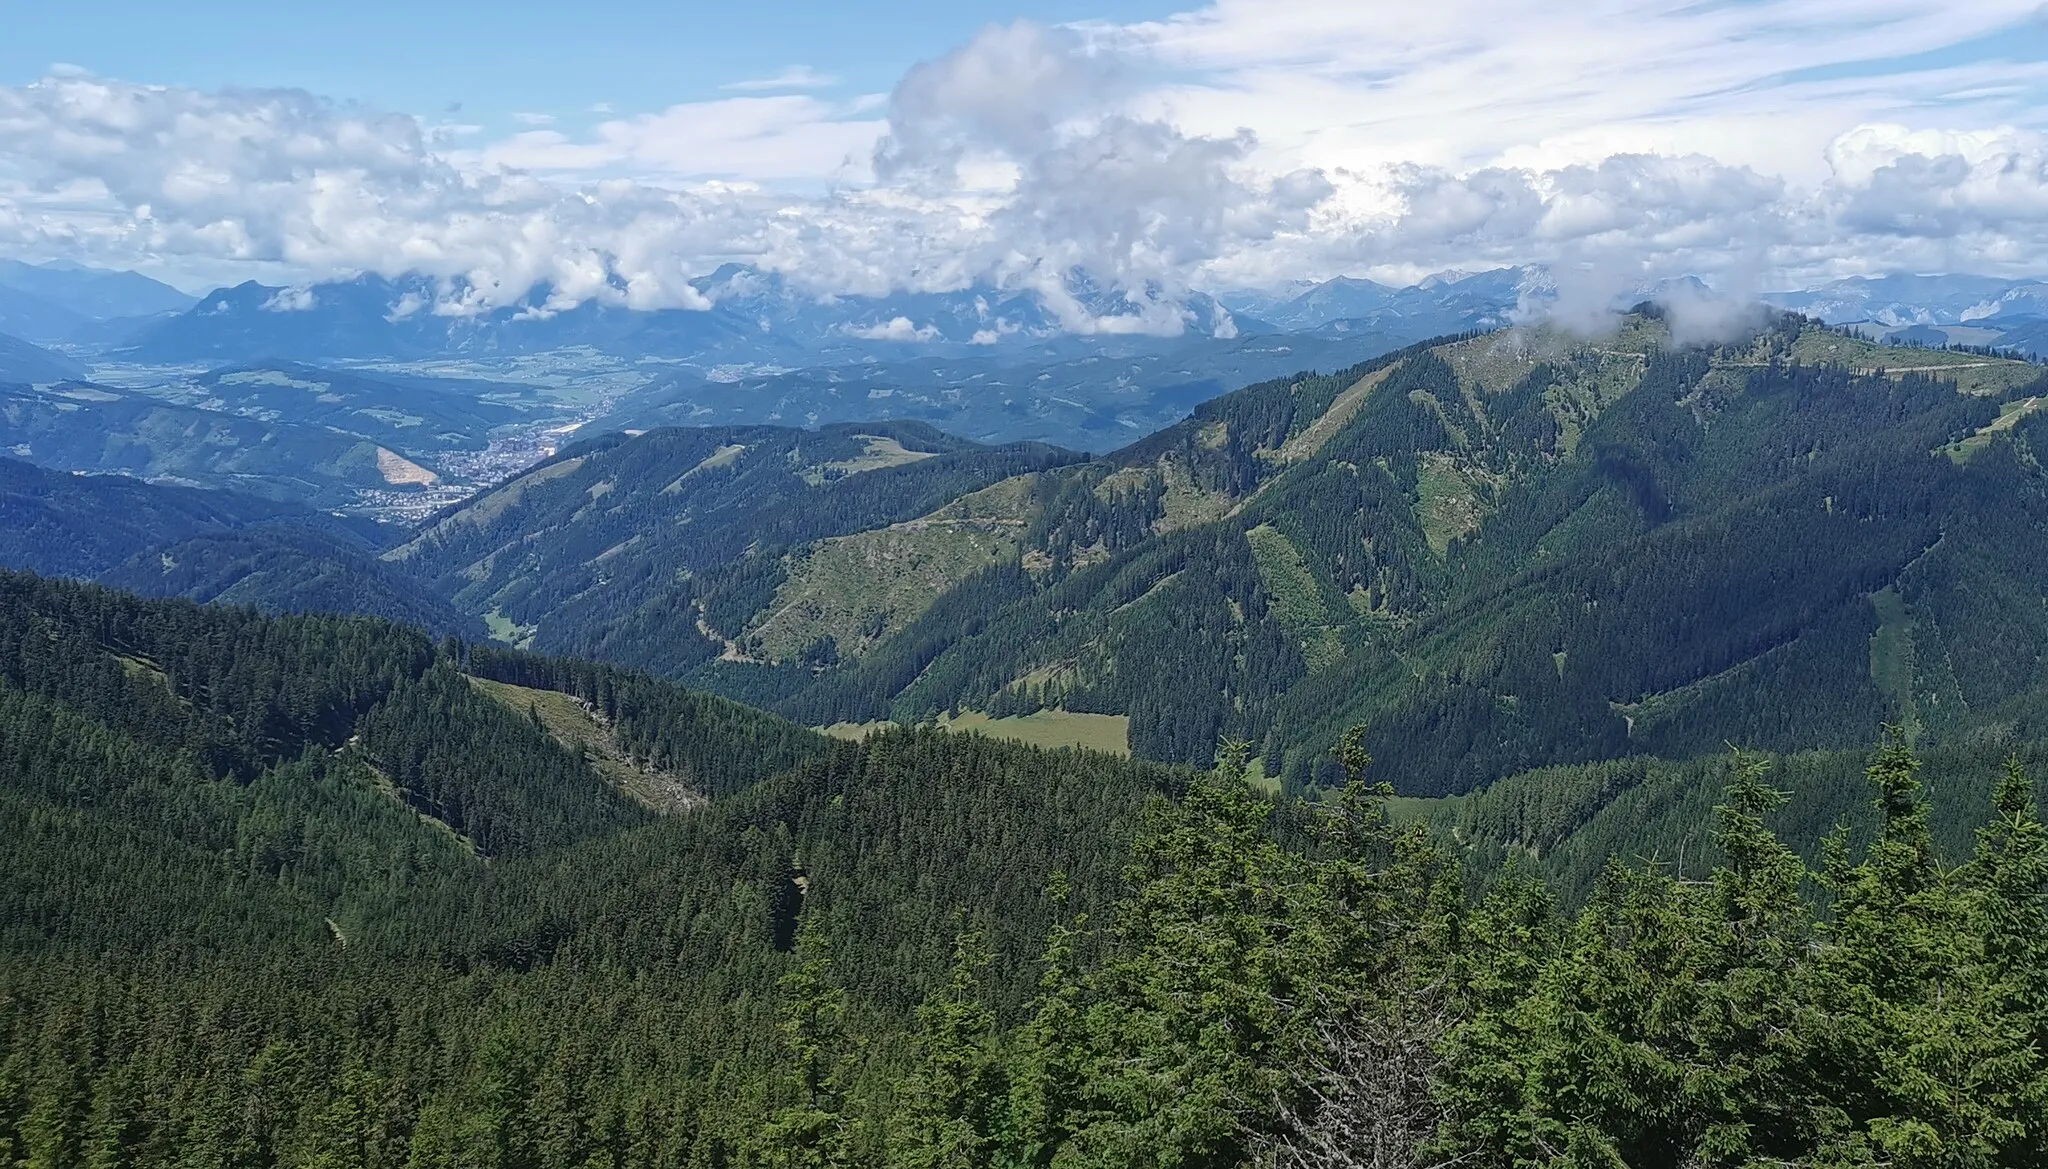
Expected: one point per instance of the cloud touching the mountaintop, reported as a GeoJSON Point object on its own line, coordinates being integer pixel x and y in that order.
{"type": "Point", "coordinates": [1237, 144]}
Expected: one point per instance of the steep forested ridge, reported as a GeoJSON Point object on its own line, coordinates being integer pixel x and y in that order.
{"type": "Point", "coordinates": [296, 887]}
{"type": "Point", "coordinates": [287, 568]}
{"type": "Point", "coordinates": [64, 524]}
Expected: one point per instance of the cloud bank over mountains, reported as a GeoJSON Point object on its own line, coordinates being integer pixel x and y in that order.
{"type": "Point", "coordinates": [1242, 144]}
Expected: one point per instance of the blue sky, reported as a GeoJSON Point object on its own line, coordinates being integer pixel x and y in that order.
{"type": "Point", "coordinates": [613, 151]}
{"type": "Point", "coordinates": [508, 56]}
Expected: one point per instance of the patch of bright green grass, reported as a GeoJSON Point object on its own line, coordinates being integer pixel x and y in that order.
{"type": "Point", "coordinates": [575, 727]}
{"type": "Point", "coordinates": [1051, 728]}
{"type": "Point", "coordinates": [503, 628]}
{"type": "Point", "coordinates": [1296, 596]}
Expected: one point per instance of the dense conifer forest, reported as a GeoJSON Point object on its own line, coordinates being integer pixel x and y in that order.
{"type": "Point", "coordinates": [309, 891]}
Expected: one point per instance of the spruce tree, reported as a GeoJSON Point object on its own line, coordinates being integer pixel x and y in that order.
{"type": "Point", "coordinates": [2007, 888]}
{"type": "Point", "coordinates": [949, 1106]}
{"type": "Point", "coordinates": [1048, 1064]}
{"type": "Point", "coordinates": [1892, 1015]}
{"type": "Point", "coordinates": [811, 1130]}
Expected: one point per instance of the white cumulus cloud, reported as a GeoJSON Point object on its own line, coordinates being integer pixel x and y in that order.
{"type": "Point", "coordinates": [1112, 168]}
{"type": "Point", "coordinates": [895, 329]}
{"type": "Point", "coordinates": [291, 300]}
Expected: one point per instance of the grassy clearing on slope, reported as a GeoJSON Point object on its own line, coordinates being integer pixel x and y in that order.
{"type": "Point", "coordinates": [854, 732]}
{"type": "Point", "coordinates": [1450, 505]}
{"type": "Point", "coordinates": [138, 666]}
{"type": "Point", "coordinates": [1185, 504]}
{"type": "Point", "coordinates": [1972, 373]}
{"type": "Point", "coordinates": [1594, 381]}
{"type": "Point", "coordinates": [512, 633]}
{"type": "Point", "coordinates": [724, 456]}
{"type": "Point", "coordinates": [1007, 501]}
{"type": "Point", "coordinates": [579, 729]}
{"type": "Point", "coordinates": [1045, 728]}
{"type": "Point", "coordinates": [400, 471]}
{"type": "Point", "coordinates": [2009, 416]}
{"type": "Point", "coordinates": [385, 787]}
{"type": "Point", "coordinates": [1297, 598]}
{"type": "Point", "coordinates": [1315, 434]}
{"type": "Point", "coordinates": [1499, 360]}
{"type": "Point", "coordinates": [860, 589]}
{"type": "Point", "coordinates": [1255, 775]}
{"type": "Point", "coordinates": [1051, 728]}
{"type": "Point", "coordinates": [881, 453]}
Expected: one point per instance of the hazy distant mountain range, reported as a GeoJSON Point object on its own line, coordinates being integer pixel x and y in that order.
{"type": "Point", "coordinates": [1093, 371]}
{"type": "Point", "coordinates": [754, 318]}
{"type": "Point", "coordinates": [1932, 310]}
{"type": "Point", "coordinates": [56, 302]}
{"type": "Point", "coordinates": [760, 321]}
{"type": "Point", "coordinates": [23, 362]}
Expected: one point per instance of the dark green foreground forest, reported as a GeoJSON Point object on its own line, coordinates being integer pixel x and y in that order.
{"type": "Point", "coordinates": [308, 891]}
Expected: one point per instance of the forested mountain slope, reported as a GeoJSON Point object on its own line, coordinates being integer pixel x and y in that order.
{"type": "Point", "coordinates": [288, 567]}
{"type": "Point", "coordinates": [1570, 823]}
{"type": "Point", "coordinates": [341, 868]}
{"type": "Point", "coordinates": [1097, 399]}
{"type": "Point", "coordinates": [162, 540]}
{"type": "Point", "coordinates": [1502, 552]}
{"type": "Point", "coordinates": [65, 524]}
{"type": "Point", "coordinates": [242, 692]}
{"type": "Point", "coordinates": [76, 426]}
{"type": "Point", "coordinates": [21, 362]}
{"type": "Point", "coordinates": [316, 891]}
{"type": "Point", "coordinates": [616, 547]}
{"type": "Point", "coordinates": [419, 417]}
{"type": "Point", "coordinates": [1514, 549]}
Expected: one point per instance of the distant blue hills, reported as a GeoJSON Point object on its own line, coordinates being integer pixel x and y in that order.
{"type": "Point", "coordinates": [47, 303]}
{"type": "Point", "coordinates": [755, 318]}
{"type": "Point", "coordinates": [758, 318]}
{"type": "Point", "coordinates": [1932, 310]}
{"type": "Point", "coordinates": [761, 321]}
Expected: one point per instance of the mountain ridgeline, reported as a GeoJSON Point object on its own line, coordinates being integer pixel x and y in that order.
{"type": "Point", "coordinates": [1500, 551]}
